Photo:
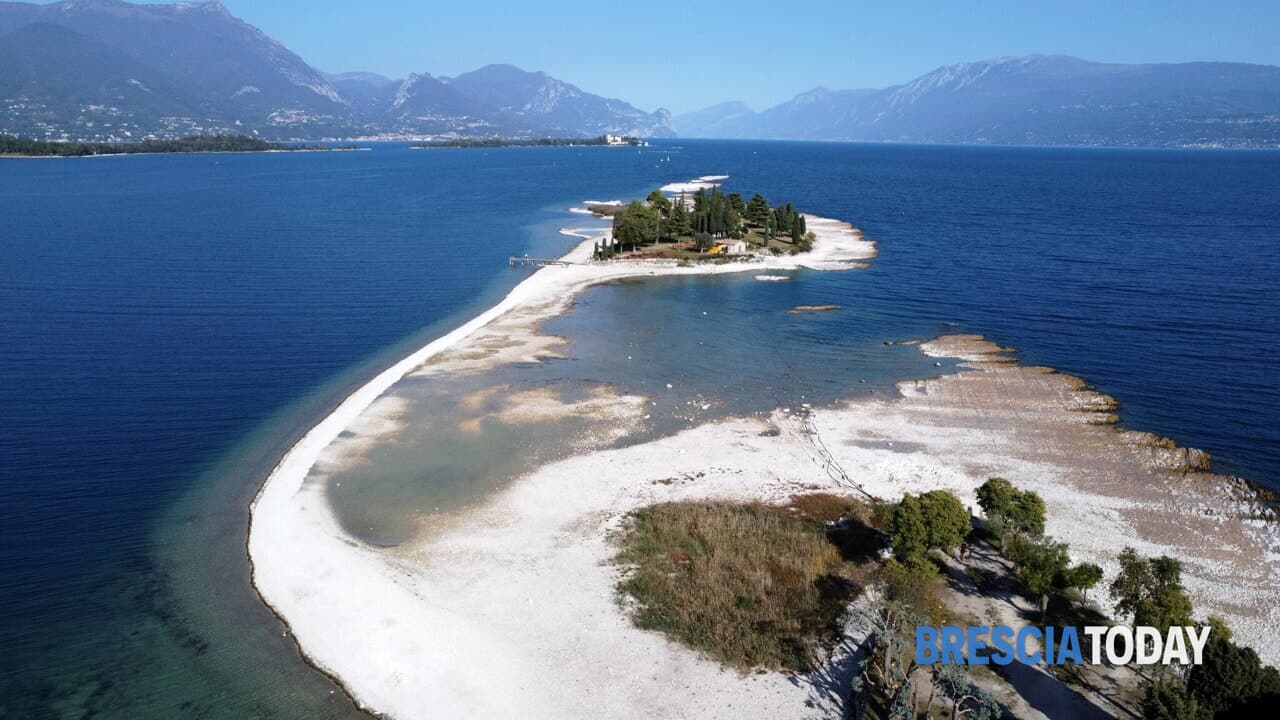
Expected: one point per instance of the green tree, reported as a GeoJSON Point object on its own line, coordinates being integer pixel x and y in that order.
{"type": "Point", "coordinates": [1168, 699]}
{"type": "Point", "coordinates": [659, 202]}
{"type": "Point", "coordinates": [1010, 508]}
{"type": "Point", "coordinates": [995, 497]}
{"type": "Point", "coordinates": [637, 225]}
{"type": "Point", "coordinates": [936, 519]}
{"type": "Point", "coordinates": [736, 204]}
{"type": "Point", "coordinates": [1085, 577]}
{"type": "Point", "coordinates": [1151, 590]}
{"type": "Point", "coordinates": [757, 211]}
{"type": "Point", "coordinates": [786, 219]}
{"type": "Point", "coordinates": [1028, 513]}
{"type": "Point", "coordinates": [907, 530]}
{"type": "Point", "coordinates": [1042, 566]}
{"type": "Point", "coordinates": [1230, 675]}
{"type": "Point", "coordinates": [681, 222]}
{"type": "Point", "coordinates": [946, 519]}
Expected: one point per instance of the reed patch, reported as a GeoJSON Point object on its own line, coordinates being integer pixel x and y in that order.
{"type": "Point", "coordinates": [752, 585]}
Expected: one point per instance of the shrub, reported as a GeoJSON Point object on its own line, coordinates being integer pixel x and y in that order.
{"type": "Point", "coordinates": [935, 519]}
{"type": "Point", "coordinates": [1009, 508]}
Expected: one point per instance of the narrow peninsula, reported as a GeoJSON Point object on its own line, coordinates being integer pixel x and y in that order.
{"type": "Point", "coordinates": [598, 141]}
{"type": "Point", "coordinates": [20, 147]}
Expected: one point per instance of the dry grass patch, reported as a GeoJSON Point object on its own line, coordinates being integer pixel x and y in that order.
{"type": "Point", "coordinates": [752, 585]}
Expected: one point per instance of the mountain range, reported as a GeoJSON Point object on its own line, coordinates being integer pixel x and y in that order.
{"type": "Point", "coordinates": [1035, 100]}
{"type": "Point", "coordinates": [111, 70]}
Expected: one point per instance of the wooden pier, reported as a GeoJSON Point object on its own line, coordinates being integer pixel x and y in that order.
{"type": "Point", "coordinates": [526, 261]}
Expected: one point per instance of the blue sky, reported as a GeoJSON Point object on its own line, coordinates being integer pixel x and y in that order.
{"type": "Point", "coordinates": [690, 54]}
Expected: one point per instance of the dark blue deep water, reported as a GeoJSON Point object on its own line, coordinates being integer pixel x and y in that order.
{"type": "Point", "coordinates": [169, 324]}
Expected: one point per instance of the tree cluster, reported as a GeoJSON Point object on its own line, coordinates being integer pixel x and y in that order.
{"type": "Point", "coordinates": [1231, 683]}
{"type": "Point", "coordinates": [1044, 567]}
{"type": "Point", "coordinates": [709, 215]}
{"type": "Point", "coordinates": [10, 145]}
{"type": "Point", "coordinates": [714, 214]}
{"type": "Point", "coordinates": [1010, 510]}
{"type": "Point", "coordinates": [638, 225]}
{"type": "Point", "coordinates": [1150, 589]}
{"type": "Point", "coordinates": [1041, 564]}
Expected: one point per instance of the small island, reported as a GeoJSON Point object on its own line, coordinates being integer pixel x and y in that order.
{"type": "Point", "coordinates": [710, 224]}
{"type": "Point", "coordinates": [21, 147]}
{"type": "Point", "coordinates": [599, 141]}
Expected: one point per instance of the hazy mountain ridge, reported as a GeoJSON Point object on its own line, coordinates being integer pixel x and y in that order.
{"type": "Point", "coordinates": [208, 71]}
{"type": "Point", "coordinates": [111, 70]}
{"type": "Point", "coordinates": [506, 99]}
{"type": "Point", "coordinates": [1035, 100]}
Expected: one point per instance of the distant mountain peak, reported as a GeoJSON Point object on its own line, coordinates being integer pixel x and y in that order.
{"type": "Point", "coordinates": [211, 6]}
{"type": "Point", "coordinates": [816, 94]}
{"type": "Point", "coordinates": [405, 92]}
{"type": "Point", "coordinates": [506, 69]}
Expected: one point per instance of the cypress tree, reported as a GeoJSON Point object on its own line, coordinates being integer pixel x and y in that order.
{"type": "Point", "coordinates": [757, 211]}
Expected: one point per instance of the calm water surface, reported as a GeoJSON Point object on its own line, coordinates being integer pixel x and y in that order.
{"type": "Point", "coordinates": [171, 324]}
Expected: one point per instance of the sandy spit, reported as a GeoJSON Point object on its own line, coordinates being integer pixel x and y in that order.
{"type": "Point", "coordinates": [508, 608]}
{"type": "Point", "coordinates": [390, 631]}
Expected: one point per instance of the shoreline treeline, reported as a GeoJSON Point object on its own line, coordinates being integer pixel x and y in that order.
{"type": "Point", "coordinates": [10, 145]}
{"type": "Point", "coordinates": [701, 221]}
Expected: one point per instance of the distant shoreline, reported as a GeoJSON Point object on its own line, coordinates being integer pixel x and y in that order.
{"type": "Point", "coordinates": [477, 143]}
{"type": "Point", "coordinates": [17, 147]}
{"type": "Point", "coordinates": [10, 156]}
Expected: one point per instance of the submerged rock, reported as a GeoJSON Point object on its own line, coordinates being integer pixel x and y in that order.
{"type": "Point", "coordinates": [812, 309]}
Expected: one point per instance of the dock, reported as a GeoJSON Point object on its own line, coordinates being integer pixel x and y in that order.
{"type": "Point", "coordinates": [526, 261]}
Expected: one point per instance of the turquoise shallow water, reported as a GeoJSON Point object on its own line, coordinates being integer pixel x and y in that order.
{"type": "Point", "coordinates": [696, 349]}
{"type": "Point", "coordinates": [171, 323]}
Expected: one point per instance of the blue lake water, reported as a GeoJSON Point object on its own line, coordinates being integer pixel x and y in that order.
{"type": "Point", "coordinates": [169, 324]}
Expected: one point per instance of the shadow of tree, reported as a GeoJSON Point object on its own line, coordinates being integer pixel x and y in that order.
{"type": "Point", "coordinates": [831, 687]}
{"type": "Point", "coordinates": [1048, 694]}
